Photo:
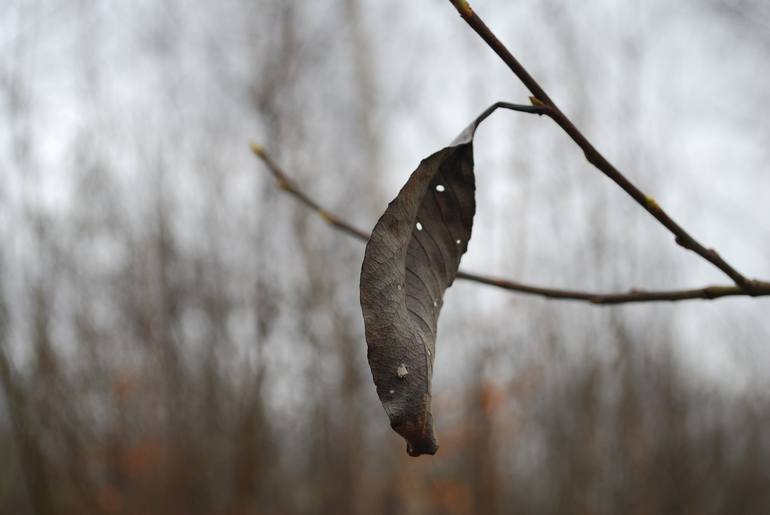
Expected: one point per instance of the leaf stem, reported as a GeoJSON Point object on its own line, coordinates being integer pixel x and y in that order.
{"type": "Point", "coordinates": [530, 109]}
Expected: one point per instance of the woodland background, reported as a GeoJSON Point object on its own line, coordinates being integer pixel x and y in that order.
{"type": "Point", "coordinates": [178, 337]}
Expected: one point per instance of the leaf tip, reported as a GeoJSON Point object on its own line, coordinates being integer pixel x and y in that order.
{"type": "Point", "coordinates": [420, 449]}
{"type": "Point", "coordinates": [420, 438]}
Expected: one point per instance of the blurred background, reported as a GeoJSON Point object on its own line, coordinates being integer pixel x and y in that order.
{"type": "Point", "coordinates": [177, 336]}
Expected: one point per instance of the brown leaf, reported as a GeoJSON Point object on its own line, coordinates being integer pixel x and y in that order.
{"type": "Point", "coordinates": [411, 258]}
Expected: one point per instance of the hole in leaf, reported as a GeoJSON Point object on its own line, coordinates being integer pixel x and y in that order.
{"type": "Point", "coordinates": [458, 241]}
{"type": "Point", "coordinates": [419, 226]}
{"type": "Point", "coordinates": [440, 188]}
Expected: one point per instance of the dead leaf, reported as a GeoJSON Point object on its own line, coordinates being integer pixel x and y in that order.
{"type": "Point", "coordinates": [411, 258]}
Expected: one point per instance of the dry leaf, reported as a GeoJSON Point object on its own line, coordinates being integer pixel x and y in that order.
{"type": "Point", "coordinates": [411, 258]}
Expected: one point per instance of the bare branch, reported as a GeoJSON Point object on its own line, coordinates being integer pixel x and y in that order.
{"type": "Point", "coordinates": [633, 295]}
{"type": "Point", "coordinates": [683, 238]}
{"type": "Point", "coordinates": [285, 183]}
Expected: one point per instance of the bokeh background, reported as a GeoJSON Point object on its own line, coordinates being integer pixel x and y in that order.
{"type": "Point", "coordinates": [177, 336]}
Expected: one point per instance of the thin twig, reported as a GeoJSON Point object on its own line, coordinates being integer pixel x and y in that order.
{"type": "Point", "coordinates": [683, 238]}
{"type": "Point", "coordinates": [530, 109]}
{"type": "Point", "coordinates": [634, 295]}
{"type": "Point", "coordinates": [708, 292]}
{"type": "Point", "coordinates": [286, 184]}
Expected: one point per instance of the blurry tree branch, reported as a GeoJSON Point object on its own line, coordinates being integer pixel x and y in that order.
{"type": "Point", "coordinates": [285, 183]}
{"type": "Point", "coordinates": [30, 455]}
{"type": "Point", "coordinates": [683, 238]}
